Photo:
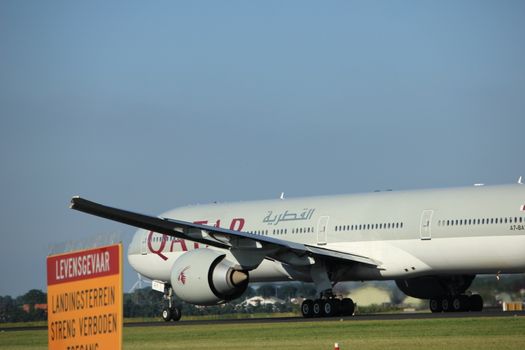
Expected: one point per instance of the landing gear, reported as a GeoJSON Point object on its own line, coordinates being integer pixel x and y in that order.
{"type": "Point", "coordinates": [170, 312]}
{"type": "Point", "coordinates": [327, 307]}
{"type": "Point", "coordinates": [456, 303]}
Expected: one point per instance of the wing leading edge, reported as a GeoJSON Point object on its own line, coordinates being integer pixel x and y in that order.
{"type": "Point", "coordinates": [276, 249]}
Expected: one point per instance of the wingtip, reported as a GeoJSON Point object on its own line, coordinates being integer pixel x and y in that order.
{"type": "Point", "coordinates": [72, 202]}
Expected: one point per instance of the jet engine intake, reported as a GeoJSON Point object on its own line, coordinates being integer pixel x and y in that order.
{"type": "Point", "coordinates": [204, 277]}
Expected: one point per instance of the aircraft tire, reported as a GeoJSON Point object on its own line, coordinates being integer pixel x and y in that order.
{"type": "Point", "coordinates": [176, 314]}
{"type": "Point", "coordinates": [317, 308]}
{"type": "Point", "coordinates": [307, 308]}
{"type": "Point", "coordinates": [329, 307]}
{"type": "Point", "coordinates": [476, 303]}
{"type": "Point", "coordinates": [446, 304]}
{"type": "Point", "coordinates": [347, 307]}
{"type": "Point", "coordinates": [435, 305]}
{"type": "Point", "coordinates": [456, 304]}
{"type": "Point", "coordinates": [166, 314]}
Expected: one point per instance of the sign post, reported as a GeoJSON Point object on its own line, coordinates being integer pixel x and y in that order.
{"type": "Point", "coordinates": [84, 297]}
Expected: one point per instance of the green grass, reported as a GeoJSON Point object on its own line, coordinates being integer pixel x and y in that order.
{"type": "Point", "coordinates": [427, 334]}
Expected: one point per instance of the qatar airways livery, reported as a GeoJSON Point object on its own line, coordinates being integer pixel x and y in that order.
{"type": "Point", "coordinates": [431, 242]}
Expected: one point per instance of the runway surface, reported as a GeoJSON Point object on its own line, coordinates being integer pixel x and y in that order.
{"type": "Point", "coordinates": [356, 318]}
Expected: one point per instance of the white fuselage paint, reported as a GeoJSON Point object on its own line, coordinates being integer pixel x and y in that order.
{"type": "Point", "coordinates": [410, 233]}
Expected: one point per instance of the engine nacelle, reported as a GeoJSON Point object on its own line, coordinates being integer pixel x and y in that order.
{"type": "Point", "coordinates": [204, 277]}
{"type": "Point", "coordinates": [428, 287]}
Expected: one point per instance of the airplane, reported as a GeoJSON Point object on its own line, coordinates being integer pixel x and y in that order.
{"type": "Point", "coordinates": [432, 243]}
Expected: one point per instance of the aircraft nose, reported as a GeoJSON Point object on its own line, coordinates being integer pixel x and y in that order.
{"type": "Point", "coordinates": [135, 245]}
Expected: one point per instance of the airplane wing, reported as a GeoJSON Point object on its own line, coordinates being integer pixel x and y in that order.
{"type": "Point", "coordinates": [277, 249]}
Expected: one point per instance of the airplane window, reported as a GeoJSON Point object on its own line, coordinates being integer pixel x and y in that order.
{"type": "Point", "coordinates": [521, 219]}
{"type": "Point", "coordinates": [491, 221]}
{"type": "Point", "coordinates": [515, 219]}
{"type": "Point", "coordinates": [401, 225]}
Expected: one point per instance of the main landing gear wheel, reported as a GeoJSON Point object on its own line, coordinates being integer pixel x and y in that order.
{"type": "Point", "coordinates": [307, 308]}
{"type": "Point", "coordinates": [317, 309]}
{"type": "Point", "coordinates": [457, 303]}
{"type": "Point", "coordinates": [171, 314]}
{"type": "Point", "coordinates": [476, 303]}
{"type": "Point", "coordinates": [347, 307]}
{"type": "Point", "coordinates": [330, 307]}
{"type": "Point", "coordinates": [166, 314]}
{"type": "Point", "coordinates": [176, 314]}
{"type": "Point", "coordinates": [435, 305]}
{"type": "Point", "coordinates": [327, 307]}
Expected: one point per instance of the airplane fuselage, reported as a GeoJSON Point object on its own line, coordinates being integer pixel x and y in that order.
{"type": "Point", "coordinates": [470, 230]}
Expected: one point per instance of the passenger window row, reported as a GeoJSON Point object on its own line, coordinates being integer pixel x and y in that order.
{"type": "Point", "coordinates": [283, 231]}
{"type": "Point", "coordinates": [481, 221]}
{"type": "Point", "coordinates": [361, 227]}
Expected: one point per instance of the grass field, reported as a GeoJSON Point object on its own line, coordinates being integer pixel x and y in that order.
{"type": "Point", "coordinates": [464, 333]}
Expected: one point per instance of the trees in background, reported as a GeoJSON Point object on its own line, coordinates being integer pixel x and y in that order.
{"type": "Point", "coordinates": [148, 303]}
{"type": "Point", "coordinates": [13, 310]}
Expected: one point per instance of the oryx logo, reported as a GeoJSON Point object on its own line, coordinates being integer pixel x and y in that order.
{"type": "Point", "coordinates": [182, 275]}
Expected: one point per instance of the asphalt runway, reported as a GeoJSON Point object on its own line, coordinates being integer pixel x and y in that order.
{"type": "Point", "coordinates": [356, 318]}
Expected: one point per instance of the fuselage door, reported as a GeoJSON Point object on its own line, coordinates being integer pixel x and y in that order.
{"type": "Point", "coordinates": [144, 244]}
{"type": "Point", "coordinates": [322, 228]}
{"type": "Point", "coordinates": [425, 225]}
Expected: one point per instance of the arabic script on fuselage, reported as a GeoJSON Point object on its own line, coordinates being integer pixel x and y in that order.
{"type": "Point", "coordinates": [287, 215]}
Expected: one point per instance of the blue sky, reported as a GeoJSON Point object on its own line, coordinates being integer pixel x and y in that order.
{"type": "Point", "coordinates": [152, 105]}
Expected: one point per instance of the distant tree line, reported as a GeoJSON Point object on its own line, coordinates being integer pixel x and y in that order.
{"type": "Point", "coordinates": [148, 303]}
{"type": "Point", "coordinates": [12, 309]}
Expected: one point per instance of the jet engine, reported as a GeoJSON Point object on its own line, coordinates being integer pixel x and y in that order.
{"type": "Point", "coordinates": [428, 287]}
{"type": "Point", "coordinates": [205, 277]}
